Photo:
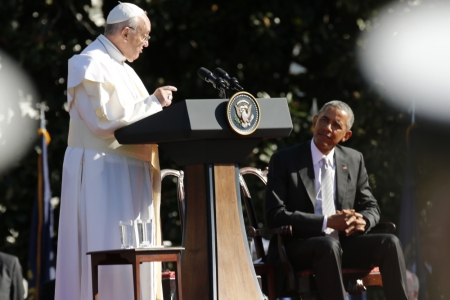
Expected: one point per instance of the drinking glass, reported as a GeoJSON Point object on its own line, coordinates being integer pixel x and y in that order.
{"type": "Point", "coordinates": [126, 234]}
{"type": "Point", "coordinates": [144, 229]}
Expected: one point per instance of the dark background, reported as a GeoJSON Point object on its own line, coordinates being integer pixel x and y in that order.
{"type": "Point", "coordinates": [255, 41]}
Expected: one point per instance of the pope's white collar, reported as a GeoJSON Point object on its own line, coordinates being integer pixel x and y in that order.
{"type": "Point", "coordinates": [112, 49]}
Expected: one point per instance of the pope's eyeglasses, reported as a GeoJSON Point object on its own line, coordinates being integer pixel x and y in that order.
{"type": "Point", "coordinates": [145, 38]}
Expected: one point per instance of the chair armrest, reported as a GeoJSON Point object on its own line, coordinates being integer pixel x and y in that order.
{"type": "Point", "coordinates": [250, 231]}
{"type": "Point", "coordinates": [261, 174]}
{"type": "Point", "coordinates": [283, 230]}
{"type": "Point", "coordinates": [384, 227]}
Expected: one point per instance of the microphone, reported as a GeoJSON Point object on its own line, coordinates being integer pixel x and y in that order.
{"type": "Point", "coordinates": [207, 76]}
{"type": "Point", "coordinates": [231, 81]}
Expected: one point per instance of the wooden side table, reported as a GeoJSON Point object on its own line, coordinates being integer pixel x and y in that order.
{"type": "Point", "coordinates": [135, 257]}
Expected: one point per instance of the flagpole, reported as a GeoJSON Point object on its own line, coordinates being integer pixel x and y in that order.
{"type": "Point", "coordinates": [41, 253]}
{"type": "Point", "coordinates": [42, 108]}
{"type": "Point", "coordinates": [42, 131]}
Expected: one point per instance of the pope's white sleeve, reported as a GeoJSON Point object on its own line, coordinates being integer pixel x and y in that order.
{"type": "Point", "coordinates": [100, 126]}
{"type": "Point", "coordinates": [99, 107]}
{"type": "Point", "coordinates": [145, 108]}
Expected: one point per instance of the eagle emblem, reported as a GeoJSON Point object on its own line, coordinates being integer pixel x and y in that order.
{"type": "Point", "coordinates": [243, 113]}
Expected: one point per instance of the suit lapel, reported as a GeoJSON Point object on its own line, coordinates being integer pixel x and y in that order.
{"type": "Point", "coordinates": [342, 177]}
{"type": "Point", "coordinates": [306, 171]}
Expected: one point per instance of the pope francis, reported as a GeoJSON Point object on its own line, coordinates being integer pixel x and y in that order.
{"type": "Point", "coordinates": [105, 182]}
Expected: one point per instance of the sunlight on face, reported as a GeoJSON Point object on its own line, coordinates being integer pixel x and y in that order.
{"type": "Point", "coordinates": [136, 41]}
{"type": "Point", "coordinates": [405, 55]}
{"type": "Point", "coordinates": [18, 114]}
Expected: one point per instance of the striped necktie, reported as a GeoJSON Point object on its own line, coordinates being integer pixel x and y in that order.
{"type": "Point", "coordinates": [326, 185]}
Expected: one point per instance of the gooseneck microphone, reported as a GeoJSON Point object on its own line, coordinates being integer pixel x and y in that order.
{"type": "Point", "coordinates": [230, 81]}
{"type": "Point", "coordinates": [207, 76]}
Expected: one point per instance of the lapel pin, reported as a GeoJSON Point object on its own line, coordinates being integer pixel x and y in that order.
{"type": "Point", "coordinates": [344, 167]}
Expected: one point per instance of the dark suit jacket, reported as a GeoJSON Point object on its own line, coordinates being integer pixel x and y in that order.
{"type": "Point", "coordinates": [11, 283]}
{"type": "Point", "coordinates": [290, 192]}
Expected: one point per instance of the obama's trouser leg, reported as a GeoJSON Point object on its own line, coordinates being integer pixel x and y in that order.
{"type": "Point", "coordinates": [384, 251]}
{"type": "Point", "coordinates": [323, 255]}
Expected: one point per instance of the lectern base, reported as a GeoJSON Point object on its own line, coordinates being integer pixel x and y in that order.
{"type": "Point", "coordinates": [216, 263]}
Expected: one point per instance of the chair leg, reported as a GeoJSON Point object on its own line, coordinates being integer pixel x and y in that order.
{"type": "Point", "coordinates": [178, 280]}
{"type": "Point", "coordinates": [271, 285]}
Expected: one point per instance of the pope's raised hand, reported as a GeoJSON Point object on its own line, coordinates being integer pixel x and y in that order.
{"type": "Point", "coordinates": [164, 94]}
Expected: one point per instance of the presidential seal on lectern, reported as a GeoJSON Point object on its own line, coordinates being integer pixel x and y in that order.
{"type": "Point", "coordinates": [243, 113]}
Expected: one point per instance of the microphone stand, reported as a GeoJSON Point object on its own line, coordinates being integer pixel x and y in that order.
{"type": "Point", "coordinates": [223, 94]}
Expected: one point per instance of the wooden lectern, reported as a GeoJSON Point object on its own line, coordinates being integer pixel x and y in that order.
{"type": "Point", "coordinates": [216, 263]}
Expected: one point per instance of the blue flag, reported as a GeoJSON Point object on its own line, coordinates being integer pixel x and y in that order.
{"type": "Point", "coordinates": [41, 255]}
{"type": "Point", "coordinates": [409, 220]}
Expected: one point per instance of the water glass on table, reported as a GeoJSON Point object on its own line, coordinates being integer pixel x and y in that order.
{"type": "Point", "coordinates": [144, 229]}
{"type": "Point", "coordinates": [126, 234]}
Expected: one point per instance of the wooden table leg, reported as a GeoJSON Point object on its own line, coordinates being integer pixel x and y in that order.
{"type": "Point", "coordinates": [94, 267]}
{"type": "Point", "coordinates": [118, 257]}
{"type": "Point", "coordinates": [137, 280]}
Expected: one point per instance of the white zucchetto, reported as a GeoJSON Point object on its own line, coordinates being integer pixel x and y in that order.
{"type": "Point", "coordinates": [123, 12]}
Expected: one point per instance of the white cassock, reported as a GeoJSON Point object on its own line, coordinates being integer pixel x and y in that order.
{"type": "Point", "coordinates": [104, 182]}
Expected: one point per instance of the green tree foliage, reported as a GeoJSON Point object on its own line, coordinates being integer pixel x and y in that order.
{"type": "Point", "coordinates": [301, 50]}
